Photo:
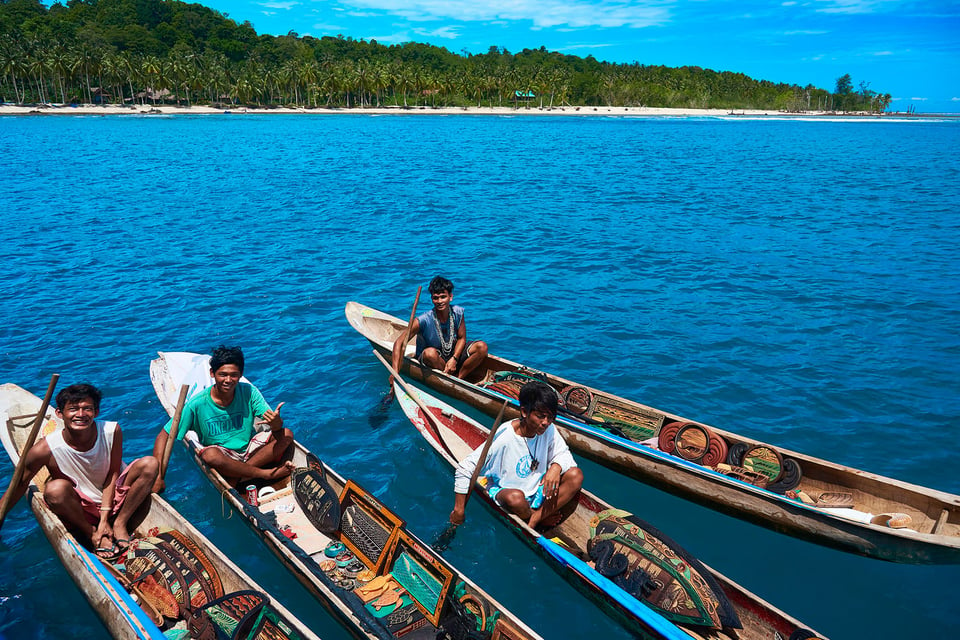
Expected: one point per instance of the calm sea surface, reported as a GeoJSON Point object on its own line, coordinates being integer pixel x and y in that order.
{"type": "Point", "coordinates": [796, 281]}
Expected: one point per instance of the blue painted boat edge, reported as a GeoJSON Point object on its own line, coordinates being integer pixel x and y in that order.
{"type": "Point", "coordinates": [140, 622]}
{"type": "Point", "coordinates": [636, 448]}
{"type": "Point", "coordinates": [647, 616]}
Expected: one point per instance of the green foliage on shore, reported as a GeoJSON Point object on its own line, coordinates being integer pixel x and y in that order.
{"type": "Point", "coordinates": [150, 51]}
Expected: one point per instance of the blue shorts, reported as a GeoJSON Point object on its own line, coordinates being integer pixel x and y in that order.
{"type": "Point", "coordinates": [534, 501]}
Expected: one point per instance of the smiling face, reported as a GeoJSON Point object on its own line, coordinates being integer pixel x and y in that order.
{"type": "Point", "coordinates": [441, 301]}
{"type": "Point", "coordinates": [78, 415]}
{"type": "Point", "coordinates": [225, 379]}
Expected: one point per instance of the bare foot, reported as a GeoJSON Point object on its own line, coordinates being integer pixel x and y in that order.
{"type": "Point", "coordinates": [282, 471]}
{"type": "Point", "coordinates": [539, 521]}
{"type": "Point", "coordinates": [120, 533]}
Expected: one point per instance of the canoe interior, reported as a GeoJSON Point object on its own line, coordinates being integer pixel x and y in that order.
{"type": "Point", "coordinates": [378, 540]}
{"type": "Point", "coordinates": [153, 518]}
{"type": "Point", "coordinates": [431, 592]}
{"type": "Point", "coordinates": [461, 435]}
{"type": "Point", "coordinates": [932, 514]}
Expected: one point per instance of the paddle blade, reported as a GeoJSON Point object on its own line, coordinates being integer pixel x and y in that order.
{"type": "Point", "coordinates": [444, 538]}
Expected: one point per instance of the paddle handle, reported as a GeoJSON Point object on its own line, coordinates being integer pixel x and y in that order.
{"type": "Point", "coordinates": [413, 314]}
{"type": "Point", "coordinates": [31, 438]}
{"type": "Point", "coordinates": [486, 449]}
{"type": "Point", "coordinates": [432, 419]}
{"type": "Point", "coordinates": [398, 358]}
{"type": "Point", "coordinates": [174, 428]}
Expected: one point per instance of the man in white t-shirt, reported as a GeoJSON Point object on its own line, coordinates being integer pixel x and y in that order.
{"type": "Point", "coordinates": [89, 488]}
{"type": "Point", "coordinates": [529, 469]}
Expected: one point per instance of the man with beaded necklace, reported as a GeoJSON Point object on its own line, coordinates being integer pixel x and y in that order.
{"type": "Point", "coordinates": [442, 335]}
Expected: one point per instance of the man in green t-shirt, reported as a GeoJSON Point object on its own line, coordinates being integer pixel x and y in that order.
{"type": "Point", "coordinates": [225, 418]}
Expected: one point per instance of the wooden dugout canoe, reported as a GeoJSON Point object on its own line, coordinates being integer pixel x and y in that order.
{"type": "Point", "coordinates": [654, 588]}
{"type": "Point", "coordinates": [319, 508]}
{"type": "Point", "coordinates": [636, 440]}
{"type": "Point", "coordinates": [105, 583]}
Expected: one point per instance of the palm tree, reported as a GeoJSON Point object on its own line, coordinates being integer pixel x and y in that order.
{"type": "Point", "coordinates": [37, 65]}
{"type": "Point", "coordinates": [83, 62]}
{"type": "Point", "coordinates": [153, 76]}
{"type": "Point", "coordinates": [378, 79]}
{"type": "Point", "coordinates": [404, 78]}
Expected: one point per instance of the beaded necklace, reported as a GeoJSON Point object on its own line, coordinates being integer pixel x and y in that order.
{"type": "Point", "coordinates": [446, 344]}
{"type": "Point", "coordinates": [534, 463]}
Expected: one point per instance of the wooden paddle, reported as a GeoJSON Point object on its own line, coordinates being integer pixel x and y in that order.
{"type": "Point", "coordinates": [403, 345]}
{"type": "Point", "coordinates": [442, 541]}
{"type": "Point", "coordinates": [413, 314]}
{"type": "Point", "coordinates": [174, 428]}
{"type": "Point", "coordinates": [410, 391]}
{"type": "Point", "coordinates": [486, 449]}
{"type": "Point", "coordinates": [31, 438]}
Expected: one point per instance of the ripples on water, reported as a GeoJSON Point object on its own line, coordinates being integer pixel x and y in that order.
{"type": "Point", "coordinates": [796, 281]}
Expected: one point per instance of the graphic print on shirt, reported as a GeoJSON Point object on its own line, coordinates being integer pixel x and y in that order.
{"type": "Point", "coordinates": [524, 466]}
{"type": "Point", "coordinates": [222, 425]}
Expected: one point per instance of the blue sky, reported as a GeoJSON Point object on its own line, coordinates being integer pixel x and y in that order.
{"type": "Point", "coordinates": [908, 49]}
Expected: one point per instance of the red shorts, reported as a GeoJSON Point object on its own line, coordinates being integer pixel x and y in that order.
{"type": "Point", "coordinates": [92, 509]}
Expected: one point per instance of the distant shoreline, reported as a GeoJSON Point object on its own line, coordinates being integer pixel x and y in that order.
{"type": "Point", "coordinates": [91, 109]}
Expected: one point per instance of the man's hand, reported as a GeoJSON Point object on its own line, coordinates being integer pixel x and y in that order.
{"type": "Point", "coordinates": [457, 517]}
{"type": "Point", "coordinates": [104, 533]}
{"type": "Point", "coordinates": [451, 366]}
{"type": "Point", "coordinates": [551, 482]}
{"type": "Point", "coordinates": [272, 418]}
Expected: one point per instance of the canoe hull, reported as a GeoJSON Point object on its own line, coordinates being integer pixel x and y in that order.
{"type": "Point", "coordinates": [301, 559]}
{"type": "Point", "coordinates": [707, 487]}
{"type": "Point", "coordinates": [759, 618]}
{"type": "Point", "coordinates": [115, 607]}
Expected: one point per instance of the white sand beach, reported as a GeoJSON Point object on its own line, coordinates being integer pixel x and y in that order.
{"type": "Point", "coordinates": [89, 109]}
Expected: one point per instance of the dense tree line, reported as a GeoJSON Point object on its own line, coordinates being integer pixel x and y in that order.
{"type": "Point", "coordinates": [126, 51]}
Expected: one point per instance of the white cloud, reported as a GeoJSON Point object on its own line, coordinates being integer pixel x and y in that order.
{"type": "Point", "coordinates": [275, 4]}
{"type": "Point", "coordinates": [575, 47]}
{"type": "Point", "coordinates": [395, 38]}
{"type": "Point", "coordinates": [954, 99]}
{"type": "Point", "coordinates": [919, 99]}
{"type": "Point", "coordinates": [855, 6]}
{"type": "Point", "coordinates": [542, 13]}
{"type": "Point", "coordinates": [450, 33]}
{"type": "Point", "coordinates": [327, 28]}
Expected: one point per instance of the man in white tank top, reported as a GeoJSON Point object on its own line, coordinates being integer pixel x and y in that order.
{"type": "Point", "coordinates": [89, 488]}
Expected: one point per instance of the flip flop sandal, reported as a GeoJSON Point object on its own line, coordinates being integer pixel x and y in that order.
{"type": "Point", "coordinates": [108, 553]}
{"type": "Point", "coordinates": [124, 543]}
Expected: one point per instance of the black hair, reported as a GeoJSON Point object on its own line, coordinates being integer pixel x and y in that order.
{"type": "Point", "coordinates": [78, 392]}
{"type": "Point", "coordinates": [440, 285]}
{"type": "Point", "coordinates": [538, 396]}
{"type": "Point", "coordinates": [226, 355]}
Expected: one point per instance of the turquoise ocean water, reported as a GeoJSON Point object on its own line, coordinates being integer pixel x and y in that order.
{"type": "Point", "coordinates": [794, 280]}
